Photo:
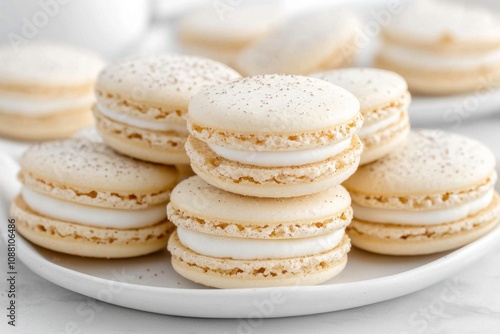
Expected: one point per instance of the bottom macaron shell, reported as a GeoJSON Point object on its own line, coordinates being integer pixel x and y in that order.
{"type": "Point", "coordinates": [421, 240]}
{"type": "Point", "coordinates": [147, 145]}
{"type": "Point", "coordinates": [230, 273]}
{"type": "Point", "coordinates": [88, 241]}
{"type": "Point", "coordinates": [272, 181]}
{"type": "Point", "coordinates": [53, 126]}
{"type": "Point", "coordinates": [386, 140]}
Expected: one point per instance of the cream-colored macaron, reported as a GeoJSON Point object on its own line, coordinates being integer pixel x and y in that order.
{"type": "Point", "coordinates": [80, 197]}
{"type": "Point", "coordinates": [443, 47]}
{"type": "Point", "coordinates": [226, 240]}
{"type": "Point", "coordinates": [306, 43]}
{"type": "Point", "coordinates": [141, 103]}
{"type": "Point", "coordinates": [434, 194]}
{"type": "Point", "coordinates": [384, 99]}
{"type": "Point", "coordinates": [46, 90]}
{"type": "Point", "coordinates": [274, 135]}
{"type": "Point", "coordinates": [221, 32]}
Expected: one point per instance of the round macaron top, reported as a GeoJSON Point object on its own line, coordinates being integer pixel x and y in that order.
{"type": "Point", "coordinates": [430, 162]}
{"type": "Point", "coordinates": [303, 44]}
{"type": "Point", "coordinates": [238, 27]}
{"type": "Point", "coordinates": [167, 80]}
{"type": "Point", "coordinates": [201, 199]}
{"type": "Point", "coordinates": [445, 22]}
{"type": "Point", "coordinates": [273, 104]}
{"type": "Point", "coordinates": [372, 87]}
{"type": "Point", "coordinates": [47, 64]}
{"type": "Point", "coordinates": [85, 164]}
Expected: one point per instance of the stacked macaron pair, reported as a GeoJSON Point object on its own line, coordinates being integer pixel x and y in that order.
{"type": "Point", "coordinates": [267, 207]}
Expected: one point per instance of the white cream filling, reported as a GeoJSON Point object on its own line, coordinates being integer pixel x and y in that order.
{"type": "Point", "coordinates": [371, 129]}
{"type": "Point", "coordinates": [257, 249]}
{"type": "Point", "coordinates": [27, 105]}
{"type": "Point", "coordinates": [142, 123]}
{"type": "Point", "coordinates": [281, 158]}
{"type": "Point", "coordinates": [426, 59]}
{"type": "Point", "coordinates": [428, 217]}
{"type": "Point", "coordinates": [90, 215]}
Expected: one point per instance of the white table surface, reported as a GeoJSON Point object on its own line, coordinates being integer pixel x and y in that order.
{"type": "Point", "coordinates": [466, 303]}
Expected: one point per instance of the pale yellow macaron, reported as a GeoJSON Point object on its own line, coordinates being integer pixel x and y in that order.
{"type": "Point", "coordinates": [274, 135]}
{"type": "Point", "coordinates": [436, 193]}
{"type": "Point", "coordinates": [226, 240]}
{"type": "Point", "coordinates": [141, 103]}
{"type": "Point", "coordinates": [306, 43]}
{"type": "Point", "coordinates": [46, 90]}
{"type": "Point", "coordinates": [443, 47]}
{"type": "Point", "coordinates": [80, 197]}
{"type": "Point", "coordinates": [384, 101]}
{"type": "Point", "coordinates": [222, 32]}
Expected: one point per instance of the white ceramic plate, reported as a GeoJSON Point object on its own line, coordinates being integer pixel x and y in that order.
{"type": "Point", "coordinates": [150, 284]}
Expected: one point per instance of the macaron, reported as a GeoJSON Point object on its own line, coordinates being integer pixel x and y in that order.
{"type": "Point", "coordinates": [384, 98]}
{"type": "Point", "coordinates": [443, 47]}
{"type": "Point", "coordinates": [225, 240]}
{"type": "Point", "coordinates": [222, 32]}
{"type": "Point", "coordinates": [141, 103]}
{"type": "Point", "coordinates": [310, 42]}
{"type": "Point", "coordinates": [434, 194]}
{"type": "Point", "coordinates": [82, 198]}
{"type": "Point", "coordinates": [274, 135]}
{"type": "Point", "coordinates": [46, 90]}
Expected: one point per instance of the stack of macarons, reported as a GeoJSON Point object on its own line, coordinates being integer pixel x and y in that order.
{"type": "Point", "coordinates": [142, 102]}
{"type": "Point", "coordinates": [82, 198]}
{"type": "Point", "coordinates": [443, 47]}
{"type": "Point", "coordinates": [267, 207]}
{"type": "Point", "coordinates": [46, 90]}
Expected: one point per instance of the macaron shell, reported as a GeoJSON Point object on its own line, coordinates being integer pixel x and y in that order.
{"type": "Point", "coordinates": [372, 87]}
{"type": "Point", "coordinates": [48, 127]}
{"type": "Point", "coordinates": [272, 182]}
{"type": "Point", "coordinates": [229, 273]}
{"type": "Point", "coordinates": [164, 81]}
{"type": "Point", "coordinates": [430, 162]}
{"type": "Point", "coordinates": [88, 241]}
{"type": "Point", "coordinates": [278, 104]}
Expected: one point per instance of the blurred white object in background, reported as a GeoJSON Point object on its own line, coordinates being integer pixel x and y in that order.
{"type": "Point", "coordinates": [105, 26]}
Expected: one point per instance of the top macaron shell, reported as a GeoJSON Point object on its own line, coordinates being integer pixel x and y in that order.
{"type": "Point", "coordinates": [83, 169]}
{"type": "Point", "coordinates": [372, 87]}
{"type": "Point", "coordinates": [48, 65]}
{"type": "Point", "coordinates": [277, 105]}
{"type": "Point", "coordinates": [167, 81]}
{"type": "Point", "coordinates": [430, 162]}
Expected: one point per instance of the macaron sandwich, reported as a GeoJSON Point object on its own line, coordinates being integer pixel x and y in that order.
{"type": "Point", "coordinates": [80, 197]}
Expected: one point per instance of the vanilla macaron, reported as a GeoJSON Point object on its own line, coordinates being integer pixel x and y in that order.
{"type": "Point", "coordinates": [434, 194]}
{"type": "Point", "coordinates": [221, 33]}
{"type": "Point", "coordinates": [310, 42]}
{"type": "Point", "coordinates": [141, 103]}
{"type": "Point", "coordinates": [274, 135]}
{"type": "Point", "coordinates": [80, 197]}
{"type": "Point", "coordinates": [226, 240]}
{"type": "Point", "coordinates": [46, 90]}
{"type": "Point", "coordinates": [443, 47]}
{"type": "Point", "coordinates": [384, 100]}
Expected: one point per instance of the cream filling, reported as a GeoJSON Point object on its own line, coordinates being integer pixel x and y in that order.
{"type": "Point", "coordinates": [142, 123]}
{"type": "Point", "coordinates": [23, 104]}
{"type": "Point", "coordinates": [430, 60]}
{"type": "Point", "coordinates": [428, 217]}
{"type": "Point", "coordinates": [257, 249]}
{"type": "Point", "coordinates": [281, 158]}
{"type": "Point", "coordinates": [373, 128]}
{"type": "Point", "coordinates": [90, 215]}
